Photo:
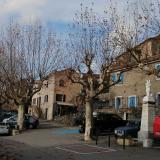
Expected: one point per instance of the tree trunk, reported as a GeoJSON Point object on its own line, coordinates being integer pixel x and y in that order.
{"type": "Point", "coordinates": [88, 122]}
{"type": "Point", "coordinates": [20, 116]}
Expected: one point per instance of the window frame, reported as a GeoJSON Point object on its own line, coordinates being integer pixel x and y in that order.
{"type": "Point", "coordinates": [116, 75]}
{"type": "Point", "coordinates": [46, 98]}
{"type": "Point", "coordinates": [135, 101]}
{"type": "Point", "coordinates": [34, 101]}
{"type": "Point", "coordinates": [115, 102]}
{"type": "Point", "coordinates": [61, 83]}
{"type": "Point", "coordinates": [63, 98]}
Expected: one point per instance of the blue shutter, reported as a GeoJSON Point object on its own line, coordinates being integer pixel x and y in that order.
{"type": "Point", "coordinates": [158, 67]}
{"type": "Point", "coordinates": [114, 77]}
{"type": "Point", "coordinates": [132, 102]}
{"type": "Point", "coordinates": [121, 77]}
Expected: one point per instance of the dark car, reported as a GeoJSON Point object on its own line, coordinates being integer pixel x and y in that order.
{"type": "Point", "coordinates": [103, 122]}
{"type": "Point", "coordinates": [31, 122]}
{"type": "Point", "coordinates": [131, 129]}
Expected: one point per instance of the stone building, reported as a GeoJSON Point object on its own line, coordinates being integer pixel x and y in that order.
{"type": "Point", "coordinates": [57, 97]}
{"type": "Point", "coordinates": [129, 92]}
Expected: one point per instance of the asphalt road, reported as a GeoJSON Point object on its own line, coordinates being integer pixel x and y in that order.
{"type": "Point", "coordinates": [53, 142]}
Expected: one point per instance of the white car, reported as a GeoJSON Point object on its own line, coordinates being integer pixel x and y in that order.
{"type": "Point", "coordinates": [4, 129]}
{"type": "Point", "coordinates": [12, 119]}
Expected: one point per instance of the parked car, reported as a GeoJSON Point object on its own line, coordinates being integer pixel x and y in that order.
{"type": "Point", "coordinates": [103, 122]}
{"type": "Point", "coordinates": [11, 121]}
{"type": "Point", "coordinates": [4, 129]}
{"type": "Point", "coordinates": [29, 121]}
{"type": "Point", "coordinates": [131, 129]}
{"type": "Point", "coordinates": [6, 114]}
{"type": "Point", "coordinates": [156, 129]}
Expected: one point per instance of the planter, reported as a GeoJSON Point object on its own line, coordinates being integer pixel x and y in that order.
{"type": "Point", "coordinates": [128, 141]}
{"type": "Point", "coordinates": [15, 132]}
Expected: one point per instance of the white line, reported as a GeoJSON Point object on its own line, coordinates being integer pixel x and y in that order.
{"type": "Point", "coordinates": [100, 147]}
{"type": "Point", "coordinates": [106, 149]}
{"type": "Point", "coordinates": [67, 150]}
{"type": "Point", "coordinates": [80, 152]}
{"type": "Point", "coordinates": [91, 146]}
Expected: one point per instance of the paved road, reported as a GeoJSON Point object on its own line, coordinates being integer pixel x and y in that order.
{"type": "Point", "coordinates": [48, 134]}
{"type": "Point", "coordinates": [53, 142]}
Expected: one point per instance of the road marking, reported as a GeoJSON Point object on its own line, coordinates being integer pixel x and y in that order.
{"type": "Point", "coordinates": [82, 149]}
{"type": "Point", "coordinates": [101, 147]}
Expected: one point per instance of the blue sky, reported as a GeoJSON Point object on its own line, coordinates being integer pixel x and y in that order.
{"type": "Point", "coordinates": [55, 13]}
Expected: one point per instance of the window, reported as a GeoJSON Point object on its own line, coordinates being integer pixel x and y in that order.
{"type": "Point", "coordinates": [118, 102]}
{"type": "Point", "coordinates": [116, 76]}
{"type": "Point", "coordinates": [46, 84]}
{"type": "Point", "coordinates": [158, 48]}
{"type": "Point", "coordinates": [39, 101]}
{"type": "Point", "coordinates": [132, 101]}
{"type": "Point", "coordinates": [157, 66]}
{"type": "Point", "coordinates": [34, 101]}
{"type": "Point", "coordinates": [46, 98]}
{"type": "Point", "coordinates": [61, 83]}
{"type": "Point", "coordinates": [60, 97]}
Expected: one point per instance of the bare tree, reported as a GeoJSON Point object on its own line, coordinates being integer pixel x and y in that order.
{"type": "Point", "coordinates": [30, 54]}
{"type": "Point", "coordinates": [90, 60]}
{"type": "Point", "coordinates": [130, 32]}
{"type": "Point", "coordinates": [150, 16]}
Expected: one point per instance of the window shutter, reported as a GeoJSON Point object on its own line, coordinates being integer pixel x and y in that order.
{"type": "Point", "coordinates": [113, 77]}
{"type": "Point", "coordinates": [158, 67]}
{"type": "Point", "coordinates": [121, 77]}
{"type": "Point", "coordinates": [131, 102]}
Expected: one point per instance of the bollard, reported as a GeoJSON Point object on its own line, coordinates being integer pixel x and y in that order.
{"type": "Point", "coordinates": [96, 136]}
{"type": "Point", "coordinates": [96, 139]}
{"type": "Point", "coordinates": [109, 143]}
{"type": "Point", "coordinates": [124, 137]}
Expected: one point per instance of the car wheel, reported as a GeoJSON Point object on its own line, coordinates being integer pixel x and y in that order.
{"type": "Point", "coordinates": [10, 132]}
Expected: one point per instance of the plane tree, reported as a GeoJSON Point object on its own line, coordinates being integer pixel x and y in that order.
{"type": "Point", "coordinates": [30, 54]}
{"type": "Point", "coordinates": [131, 32]}
{"type": "Point", "coordinates": [91, 59]}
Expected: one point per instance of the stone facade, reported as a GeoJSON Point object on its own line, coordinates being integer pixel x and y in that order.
{"type": "Point", "coordinates": [130, 91]}
{"type": "Point", "coordinates": [125, 96]}
{"type": "Point", "coordinates": [42, 102]}
{"type": "Point", "coordinates": [57, 95]}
